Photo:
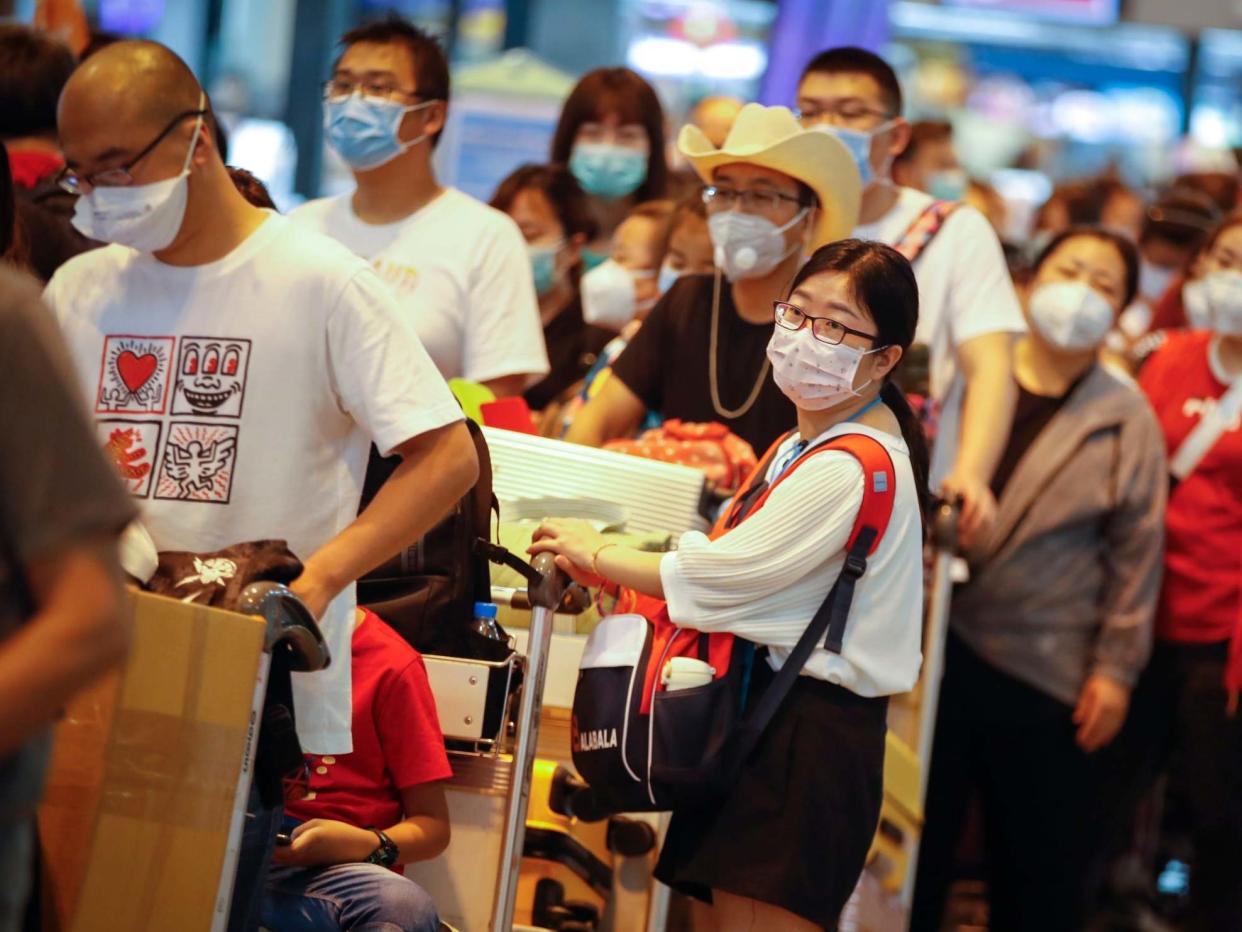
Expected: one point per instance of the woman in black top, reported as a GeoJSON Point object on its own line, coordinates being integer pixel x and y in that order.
{"type": "Point", "coordinates": [551, 211]}
{"type": "Point", "coordinates": [1054, 626]}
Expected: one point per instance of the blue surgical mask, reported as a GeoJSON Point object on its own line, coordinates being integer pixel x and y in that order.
{"type": "Point", "coordinates": [363, 130]}
{"type": "Point", "coordinates": [543, 265]}
{"type": "Point", "coordinates": [591, 258]}
{"type": "Point", "coordinates": [668, 277]}
{"type": "Point", "coordinates": [948, 185]}
{"type": "Point", "coordinates": [859, 143]}
{"type": "Point", "coordinates": [608, 171]}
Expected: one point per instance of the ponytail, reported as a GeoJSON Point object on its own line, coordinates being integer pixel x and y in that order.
{"type": "Point", "coordinates": [916, 442]}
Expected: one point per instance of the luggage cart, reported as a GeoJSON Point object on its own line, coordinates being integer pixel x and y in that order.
{"type": "Point", "coordinates": [544, 595]}
{"type": "Point", "coordinates": [489, 795]}
{"type": "Point", "coordinates": [293, 636]}
{"type": "Point", "coordinates": [936, 629]}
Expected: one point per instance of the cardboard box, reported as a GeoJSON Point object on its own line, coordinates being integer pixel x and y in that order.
{"type": "Point", "coordinates": [144, 781]}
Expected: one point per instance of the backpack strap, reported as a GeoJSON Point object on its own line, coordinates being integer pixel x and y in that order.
{"type": "Point", "coordinates": [923, 230]}
{"type": "Point", "coordinates": [828, 624]}
{"type": "Point", "coordinates": [751, 491]}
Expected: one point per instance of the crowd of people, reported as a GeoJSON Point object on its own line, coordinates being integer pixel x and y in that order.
{"type": "Point", "coordinates": [795, 274]}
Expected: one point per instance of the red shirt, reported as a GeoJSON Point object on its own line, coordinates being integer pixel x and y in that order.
{"type": "Point", "coordinates": [1201, 601]}
{"type": "Point", "coordinates": [397, 739]}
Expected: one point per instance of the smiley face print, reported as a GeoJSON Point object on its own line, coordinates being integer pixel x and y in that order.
{"type": "Point", "coordinates": [211, 377]}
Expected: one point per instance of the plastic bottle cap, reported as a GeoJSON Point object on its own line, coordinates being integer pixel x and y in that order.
{"type": "Point", "coordinates": [486, 610]}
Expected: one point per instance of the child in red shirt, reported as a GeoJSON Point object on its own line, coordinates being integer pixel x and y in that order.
{"type": "Point", "coordinates": [369, 811]}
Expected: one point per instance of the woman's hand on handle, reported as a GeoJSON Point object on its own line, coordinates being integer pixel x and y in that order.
{"type": "Point", "coordinates": [591, 559]}
{"type": "Point", "coordinates": [575, 543]}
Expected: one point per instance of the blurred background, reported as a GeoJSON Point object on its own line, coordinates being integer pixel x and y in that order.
{"type": "Point", "coordinates": [1036, 91]}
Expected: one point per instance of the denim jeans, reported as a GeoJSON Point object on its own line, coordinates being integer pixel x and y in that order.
{"type": "Point", "coordinates": [16, 857]}
{"type": "Point", "coordinates": [358, 897]}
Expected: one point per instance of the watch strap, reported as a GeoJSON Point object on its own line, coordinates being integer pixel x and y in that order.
{"type": "Point", "coordinates": [387, 852]}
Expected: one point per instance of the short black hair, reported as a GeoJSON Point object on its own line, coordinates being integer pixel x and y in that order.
{"type": "Point", "coordinates": [560, 187]}
{"type": "Point", "coordinates": [34, 68]}
{"type": "Point", "coordinates": [1183, 216]}
{"type": "Point", "coordinates": [431, 68]}
{"type": "Point", "coordinates": [922, 133]}
{"type": "Point", "coordinates": [849, 59]}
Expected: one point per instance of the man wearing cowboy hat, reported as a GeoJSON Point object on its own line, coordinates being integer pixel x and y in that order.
{"type": "Point", "coordinates": [774, 194]}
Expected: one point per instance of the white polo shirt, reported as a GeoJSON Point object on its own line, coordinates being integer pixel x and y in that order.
{"type": "Point", "coordinates": [460, 270]}
{"type": "Point", "coordinates": [964, 292]}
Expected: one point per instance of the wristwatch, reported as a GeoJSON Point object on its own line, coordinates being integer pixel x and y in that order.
{"type": "Point", "coordinates": [387, 853]}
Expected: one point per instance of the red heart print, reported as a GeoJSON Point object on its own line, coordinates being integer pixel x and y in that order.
{"type": "Point", "coordinates": [135, 370]}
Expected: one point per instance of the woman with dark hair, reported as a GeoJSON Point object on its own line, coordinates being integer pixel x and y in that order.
{"type": "Point", "coordinates": [1053, 628]}
{"type": "Point", "coordinates": [611, 135]}
{"type": "Point", "coordinates": [551, 211]}
{"type": "Point", "coordinates": [784, 848]}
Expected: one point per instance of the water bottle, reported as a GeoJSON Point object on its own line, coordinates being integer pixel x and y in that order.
{"type": "Point", "coordinates": [484, 623]}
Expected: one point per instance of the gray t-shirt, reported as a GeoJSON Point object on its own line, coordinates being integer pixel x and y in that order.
{"type": "Point", "coordinates": [56, 487]}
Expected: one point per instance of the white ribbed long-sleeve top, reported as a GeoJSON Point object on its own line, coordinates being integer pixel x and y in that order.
{"type": "Point", "coordinates": [766, 578]}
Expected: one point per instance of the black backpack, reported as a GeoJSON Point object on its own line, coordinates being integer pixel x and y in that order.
{"type": "Point", "coordinates": [427, 591]}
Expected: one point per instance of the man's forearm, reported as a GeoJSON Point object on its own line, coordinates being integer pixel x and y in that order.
{"type": "Point", "coordinates": [437, 469]}
{"type": "Point", "coordinates": [987, 416]}
{"type": "Point", "coordinates": [80, 631]}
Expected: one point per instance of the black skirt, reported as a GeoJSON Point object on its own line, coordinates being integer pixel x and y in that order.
{"type": "Point", "coordinates": [796, 828]}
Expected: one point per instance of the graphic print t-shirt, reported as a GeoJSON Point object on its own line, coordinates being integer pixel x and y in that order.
{"type": "Point", "coordinates": [461, 273]}
{"type": "Point", "coordinates": [238, 399]}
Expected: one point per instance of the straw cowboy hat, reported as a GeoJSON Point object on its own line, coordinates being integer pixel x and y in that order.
{"type": "Point", "coordinates": [772, 138]}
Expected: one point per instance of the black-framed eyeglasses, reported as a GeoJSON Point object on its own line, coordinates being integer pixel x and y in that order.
{"type": "Point", "coordinates": [719, 197]}
{"type": "Point", "coordinates": [824, 329]}
{"type": "Point", "coordinates": [849, 113]}
{"type": "Point", "coordinates": [336, 89]}
{"type": "Point", "coordinates": [121, 176]}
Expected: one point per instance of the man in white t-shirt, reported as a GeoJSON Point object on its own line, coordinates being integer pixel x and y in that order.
{"type": "Point", "coordinates": [458, 267]}
{"type": "Point", "coordinates": [968, 312]}
{"type": "Point", "coordinates": [237, 365]}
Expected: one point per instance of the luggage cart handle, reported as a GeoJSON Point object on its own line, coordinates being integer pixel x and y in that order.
{"type": "Point", "coordinates": [546, 585]}
{"type": "Point", "coordinates": [289, 621]}
{"type": "Point", "coordinates": [944, 524]}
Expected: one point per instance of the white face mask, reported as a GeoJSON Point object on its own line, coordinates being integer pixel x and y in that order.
{"type": "Point", "coordinates": [668, 277]}
{"type": "Point", "coordinates": [146, 217]}
{"type": "Point", "coordinates": [1195, 303]}
{"type": "Point", "coordinates": [610, 295]}
{"type": "Point", "coordinates": [1153, 280]}
{"type": "Point", "coordinates": [814, 375]}
{"type": "Point", "coordinates": [749, 246]}
{"type": "Point", "coordinates": [1224, 301]}
{"type": "Point", "coordinates": [1071, 316]}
